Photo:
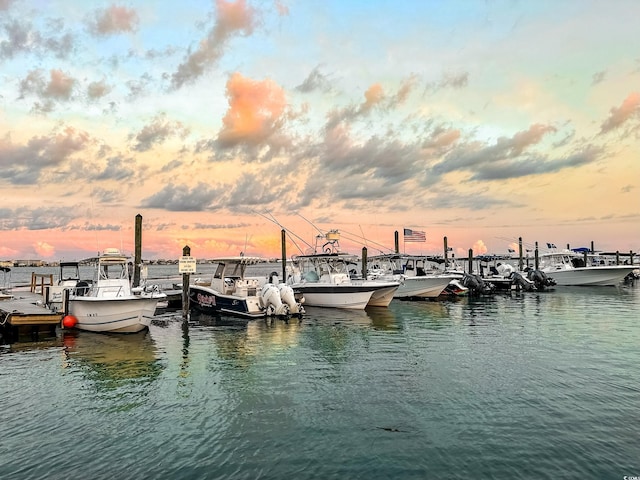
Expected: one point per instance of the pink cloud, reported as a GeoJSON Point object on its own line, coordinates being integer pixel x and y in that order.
{"type": "Point", "coordinates": [44, 249]}
{"type": "Point", "coordinates": [525, 138]}
{"type": "Point", "coordinates": [256, 110]}
{"type": "Point", "coordinates": [630, 107]}
{"type": "Point", "coordinates": [233, 17]}
{"type": "Point", "coordinates": [373, 96]}
{"type": "Point", "coordinates": [116, 19]}
{"type": "Point", "coordinates": [60, 85]}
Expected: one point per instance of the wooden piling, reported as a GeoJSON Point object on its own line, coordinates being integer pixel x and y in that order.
{"type": "Point", "coordinates": [617, 257]}
{"type": "Point", "coordinates": [283, 242]}
{"type": "Point", "coordinates": [471, 260]}
{"type": "Point", "coordinates": [520, 262]}
{"type": "Point", "coordinates": [186, 252]}
{"type": "Point", "coordinates": [536, 261]}
{"type": "Point", "coordinates": [137, 261]}
{"type": "Point", "coordinates": [364, 263]}
{"type": "Point", "coordinates": [396, 236]}
{"type": "Point", "coordinates": [446, 252]}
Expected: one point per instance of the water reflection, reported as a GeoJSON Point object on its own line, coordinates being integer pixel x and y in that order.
{"type": "Point", "coordinates": [384, 318]}
{"type": "Point", "coordinates": [112, 360]}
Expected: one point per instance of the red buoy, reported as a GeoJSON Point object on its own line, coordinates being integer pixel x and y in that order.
{"type": "Point", "coordinates": [69, 321]}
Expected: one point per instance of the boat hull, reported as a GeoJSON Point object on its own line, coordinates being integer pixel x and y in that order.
{"type": "Point", "coordinates": [422, 287]}
{"type": "Point", "coordinates": [335, 296]}
{"type": "Point", "coordinates": [382, 295]}
{"type": "Point", "coordinates": [212, 302]}
{"type": "Point", "coordinates": [590, 276]}
{"type": "Point", "coordinates": [119, 315]}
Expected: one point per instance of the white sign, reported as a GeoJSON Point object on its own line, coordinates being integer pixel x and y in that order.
{"type": "Point", "coordinates": [187, 265]}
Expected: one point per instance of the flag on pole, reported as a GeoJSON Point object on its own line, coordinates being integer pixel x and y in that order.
{"type": "Point", "coordinates": [414, 235]}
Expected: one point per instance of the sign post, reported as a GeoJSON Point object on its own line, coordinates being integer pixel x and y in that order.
{"type": "Point", "coordinates": [186, 266]}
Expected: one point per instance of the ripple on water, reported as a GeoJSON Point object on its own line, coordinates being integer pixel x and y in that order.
{"type": "Point", "coordinates": [525, 386]}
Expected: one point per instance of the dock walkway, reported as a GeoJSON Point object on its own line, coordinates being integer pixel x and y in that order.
{"type": "Point", "coordinates": [25, 313]}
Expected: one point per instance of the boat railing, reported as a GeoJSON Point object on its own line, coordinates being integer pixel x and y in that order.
{"type": "Point", "coordinates": [112, 288]}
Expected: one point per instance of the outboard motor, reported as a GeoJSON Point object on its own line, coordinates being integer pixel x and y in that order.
{"type": "Point", "coordinates": [288, 298]}
{"type": "Point", "coordinates": [272, 302]}
{"type": "Point", "coordinates": [540, 279]}
{"type": "Point", "coordinates": [475, 284]}
{"type": "Point", "coordinates": [522, 282]}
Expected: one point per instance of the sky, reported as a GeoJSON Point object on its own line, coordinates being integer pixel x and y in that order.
{"type": "Point", "coordinates": [223, 122]}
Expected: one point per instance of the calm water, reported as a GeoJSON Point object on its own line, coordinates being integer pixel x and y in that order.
{"type": "Point", "coordinates": [533, 386]}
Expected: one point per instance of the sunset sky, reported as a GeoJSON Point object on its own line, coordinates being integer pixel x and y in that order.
{"type": "Point", "coordinates": [479, 120]}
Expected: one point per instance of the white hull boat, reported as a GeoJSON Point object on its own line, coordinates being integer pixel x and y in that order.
{"type": "Point", "coordinates": [325, 281]}
{"type": "Point", "coordinates": [590, 276]}
{"type": "Point", "coordinates": [384, 293]}
{"type": "Point", "coordinates": [119, 315]}
{"type": "Point", "coordinates": [416, 281]}
{"type": "Point", "coordinates": [561, 267]}
{"type": "Point", "coordinates": [335, 296]}
{"type": "Point", "coordinates": [430, 286]}
{"type": "Point", "coordinates": [109, 304]}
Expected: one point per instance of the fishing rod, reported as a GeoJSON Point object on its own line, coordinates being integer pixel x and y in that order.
{"type": "Point", "coordinates": [273, 220]}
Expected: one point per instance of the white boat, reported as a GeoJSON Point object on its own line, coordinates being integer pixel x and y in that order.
{"type": "Point", "coordinates": [109, 304]}
{"type": "Point", "coordinates": [325, 280]}
{"type": "Point", "coordinates": [229, 292]}
{"type": "Point", "coordinates": [568, 268]}
{"type": "Point", "coordinates": [416, 280]}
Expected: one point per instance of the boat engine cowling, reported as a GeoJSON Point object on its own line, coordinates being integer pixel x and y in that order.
{"type": "Point", "coordinates": [272, 302]}
{"type": "Point", "coordinates": [288, 298]}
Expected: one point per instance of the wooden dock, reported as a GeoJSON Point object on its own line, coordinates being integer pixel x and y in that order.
{"type": "Point", "coordinates": [26, 313]}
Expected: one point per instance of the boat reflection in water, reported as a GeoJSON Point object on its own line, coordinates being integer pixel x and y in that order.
{"type": "Point", "coordinates": [111, 360]}
{"type": "Point", "coordinates": [241, 339]}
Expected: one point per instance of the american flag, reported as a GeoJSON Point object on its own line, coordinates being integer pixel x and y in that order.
{"type": "Point", "coordinates": [414, 235]}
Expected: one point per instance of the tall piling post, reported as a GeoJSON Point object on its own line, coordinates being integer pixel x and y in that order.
{"type": "Point", "coordinates": [617, 257]}
{"type": "Point", "coordinates": [137, 259]}
{"type": "Point", "coordinates": [592, 247]}
{"type": "Point", "coordinates": [396, 237]}
{"type": "Point", "coordinates": [536, 261]}
{"type": "Point", "coordinates": [364, 263]}
{"type": "Point", "coordinates": [446, 253]}
{"type": "Point", "coordinates": [283, 241]}
{"type": "Point", "coordinates": [186, 252]}
{"type": "Point", "coordinates": [470, 260]}
{"type": "Point", "coordinates": [520, 262]}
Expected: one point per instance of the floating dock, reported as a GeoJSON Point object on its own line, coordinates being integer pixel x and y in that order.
{"type": "Point", "coordinates": [25, 311]}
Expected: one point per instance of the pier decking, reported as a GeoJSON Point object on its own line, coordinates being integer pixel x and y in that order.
{"type": "Point", "coordinates": [24, 312]}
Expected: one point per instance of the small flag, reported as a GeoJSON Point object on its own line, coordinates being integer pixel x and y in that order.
{"type": "Point", "coordinates": [414, 235]}
{"type": "Point", "coordinates": [551, 245]}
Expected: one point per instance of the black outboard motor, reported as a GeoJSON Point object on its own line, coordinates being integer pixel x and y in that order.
{"type": "Point", "coordinates": [540, 279]}
{"type": "Point", "coordinates": [525, 284]}
{"type": "Point", "coordinates": [476, 285]}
